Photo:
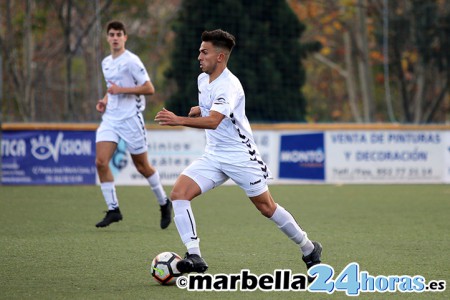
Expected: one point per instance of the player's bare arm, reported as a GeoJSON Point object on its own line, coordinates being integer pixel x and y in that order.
{"type": "Point", "coordinates": [101, 104]}
{"type": "Point", "coordinates": [167, 118]}
{"type": "Point", "coordinates": [146, 89]}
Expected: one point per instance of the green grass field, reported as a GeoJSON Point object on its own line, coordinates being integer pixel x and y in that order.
{"type": "Point", "coordinates": [50, 248]}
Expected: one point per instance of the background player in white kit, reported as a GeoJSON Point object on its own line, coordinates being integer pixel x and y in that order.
{"type": "Point", "coordinates": [230, 153]}
{"type": "Point", "coordinates": [127, 81]}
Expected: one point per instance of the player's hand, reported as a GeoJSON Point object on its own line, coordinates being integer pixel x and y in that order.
{"type": "Point", "coordinates": [166, 117]}
{"type": "Point", "coordinates": [114, 88]}
{"type": "Point", "coordinates": [195, 112]}
{"type": "Point", "coordinates": [101, 106]}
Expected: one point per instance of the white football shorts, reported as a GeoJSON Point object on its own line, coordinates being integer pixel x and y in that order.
{"type": "Point", "coordinates": [209, 173]}
{"type": "Point", "coordinates": [131, 130]}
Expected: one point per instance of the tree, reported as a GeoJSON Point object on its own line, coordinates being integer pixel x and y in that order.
{"type": "Point", "coordinates": [32, 45]}
{"type": "Point", "coordinates": [52, 49]}
{"type": "Point", "coordinates": [18, 58]}
{"type": "Point", "coordinates": [65, 15]}
{"type": "Point", "coordinates": [381, 61]}
{"type": "Point", "coordinates": [267, 58]}
{"type": "Point", "coordinates": [344, 28]}
{"type": "Point", "coordinates": [421, 57]}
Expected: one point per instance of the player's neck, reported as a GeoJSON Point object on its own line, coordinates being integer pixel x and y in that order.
{"type": "Point", "coordinates": [213, 76]}
{"type": "Point", "coordinates": [117, 53]}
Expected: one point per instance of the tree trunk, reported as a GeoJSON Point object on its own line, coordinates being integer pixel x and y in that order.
{"type": "Point", "coordinates": [365, 74]}
{"type": "Point", "coordinates": [350, 78]}
{"type": "Point", "coordinates": [419, 91]}
{"type": "Point", "coordinates": [28, 100]}
{"type": "Point", "coordinates": [68, 107]}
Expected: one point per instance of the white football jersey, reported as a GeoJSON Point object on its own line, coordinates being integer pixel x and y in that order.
{"type": "Point", "coordinates": [232, 140]}
{"type": "Point", "coordinates": [127, 70]}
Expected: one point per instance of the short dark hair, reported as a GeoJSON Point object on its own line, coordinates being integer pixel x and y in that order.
{"type": "Point", "coordinates": [116, 25]}
{"type": "Point", "coordinates": [219, 38]}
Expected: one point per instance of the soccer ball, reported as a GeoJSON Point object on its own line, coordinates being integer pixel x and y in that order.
{"type": "Point", "coordinates": [164, 268]}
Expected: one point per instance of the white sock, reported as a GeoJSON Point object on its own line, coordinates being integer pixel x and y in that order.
{"type": "Point", "coordinates": [109, 193]}
{"type": "Point", "coordinates": [287, 224]}
{"type": "Point", "coordinates": [155, 184]}
{"type": "Point", "coordinates": [185, 222]}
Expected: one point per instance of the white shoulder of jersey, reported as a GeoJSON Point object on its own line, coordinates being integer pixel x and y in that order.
{"type": "Point", "coordinates": [133, 57]}
{"type": "Point", "coordinates": [130, 55]}
{"type": "Point", "coordinates": [202, 76]}
{"type": "Point", "coordinates": [107, 59]}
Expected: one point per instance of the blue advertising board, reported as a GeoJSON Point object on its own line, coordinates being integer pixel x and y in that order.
{"type": "Point", "coordinates": [53, 157]}
{"type": "Point", "coordinates": [302, 156]}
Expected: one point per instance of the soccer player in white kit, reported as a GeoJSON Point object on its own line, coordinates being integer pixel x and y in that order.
{"type": "Point", "coordinates": [230, 152]}
{"type": "Point", "coordinates": [127, 81]}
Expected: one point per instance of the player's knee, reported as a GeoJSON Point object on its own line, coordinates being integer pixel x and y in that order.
{"type": "Point", "coordinates": [266, 210]}
{"type": "Point", "coordinates": [101, 164]}
{"type": "Point", "coordinates": [176, 195]}
{"type": "Point", "coordinates": [182, 194]}
{"type": "Point", "coordinates": [143, 170]}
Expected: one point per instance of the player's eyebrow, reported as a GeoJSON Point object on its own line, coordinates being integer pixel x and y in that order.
{"type": "Point", "coordinates": [115, 33]}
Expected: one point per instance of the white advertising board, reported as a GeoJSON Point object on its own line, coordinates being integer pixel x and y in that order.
{"type": "Point", "coordinates": [170, 151]}
{"type": "Point", "coordinates": [358, 156]}
{"type": "Point", "coordinates": [385, 156]}
{"type": "Point", "coordinates": [447, 157]}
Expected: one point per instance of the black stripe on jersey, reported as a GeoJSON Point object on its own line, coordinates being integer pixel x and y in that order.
{"type": "Point", "coordinates": [242, 136]}
{"type": "Point", "coordinates": [254, 156]}
{"type": "Point", "coordinates": [142, 124]}
{"type": "Point", "coordinates": [138, 103]}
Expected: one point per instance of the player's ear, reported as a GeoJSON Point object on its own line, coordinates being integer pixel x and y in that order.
{"type": "Point", "coordinates": [221, 57]}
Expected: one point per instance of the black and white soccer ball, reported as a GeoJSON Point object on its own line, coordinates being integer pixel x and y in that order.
{"type": "Point", "coordinates": [164, 268]}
